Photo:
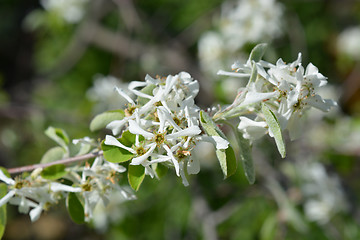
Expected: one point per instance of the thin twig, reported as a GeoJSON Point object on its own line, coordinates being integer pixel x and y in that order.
{"type": "Point", "coordinates": [62, 161]}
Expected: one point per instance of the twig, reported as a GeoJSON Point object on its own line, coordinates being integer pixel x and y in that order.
{"type": "Point", "coordinates": [62, 161]}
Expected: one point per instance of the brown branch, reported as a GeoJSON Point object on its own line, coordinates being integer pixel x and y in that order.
{"type": "Point", "coordinates": [62, 161]}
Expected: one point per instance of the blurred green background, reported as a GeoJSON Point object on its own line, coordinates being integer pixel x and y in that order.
{"type": "Point", "coordinates": [52, 64]}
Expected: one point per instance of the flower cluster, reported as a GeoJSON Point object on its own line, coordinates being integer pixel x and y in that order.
{"type": "Point", "coordinates": [37, 192]}
{"type": "Point", "coordinates": [254, 21]}
{"type": "Point", "coordinates": [165, 121]}
{"type": "Point", "coordinates": [159, 128]}
{"type": "Point", "coordinates": [288, 89]}
{"type": "Point", "coordinates": [69, 10]}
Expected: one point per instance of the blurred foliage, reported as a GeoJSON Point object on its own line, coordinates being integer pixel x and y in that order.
{"type": "Point", "coordinates": [42, 85]}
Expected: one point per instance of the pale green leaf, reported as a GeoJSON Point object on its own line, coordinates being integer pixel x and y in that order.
{"type": "Point", "coordinates": [227, 161]}
{"type": "Point", "coordinates": [268, 229]}
{"type": "Point", "coordinates": [136, 175]}
{"type": "Point", "coordinates": [226, 157]}
{"type": "Point", "coordinates": [53, 154]}
{"type": "Point", "coordinates": [100, 121]}
{"type": "Point", "coordinates": [209, 126]}
{"type": "Point", "coordinates": [54, 172]}
{"type": "Point", "coordinates": [253, 75]}
{"type": "Point", "coordinates": [274, 126]}
{"type": "Point", "coordinates": [58, 135]}
{"type": "Point", "coordinates": [115, 154]}
{"type": "Point", "coordinates": [246, 157]}
{"type": "Point", "coordinates": [147, 90]}
{"type": "Point", "coordinates": [75, 208]}
{"type": "Point", "coordinates": [160, 169]}
{"type": "Point", "coordinates": [3, 219]}
{"type": "Point", "coordinates": [258, 52]}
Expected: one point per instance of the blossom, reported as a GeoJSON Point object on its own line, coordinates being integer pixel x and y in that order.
{"type": "Point", "coordinates": [289, 89]}
{"type": "Point", "coordinates": [348, 42]}
{"type": "Point", "coordinates": [72, 11]}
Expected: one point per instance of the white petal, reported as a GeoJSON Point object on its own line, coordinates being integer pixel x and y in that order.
{"type": "Point", "coordinates": [5, 179]}
{"type": "Point", "coordinates": [116, 167]}
{"type": "Point", "coordinates": [117, 125]}
{"type": "Point", "coordinates": [182, 174]}
{"type": "Point", "coordinates": [232, 74]}
{"type": "Point", "coordinates": [7, 197]}
{"type": "Point", "coordinates": [110, 140]}
{"type": "Point", "coordinates": [140, 159]}
{"type": "Point", "coordinates": [57, 187]}
{"type": "Point", "coordinates": [193, 166]}
{"type": "Point", "coordinates": [175, 162]}
{"type": "Point", "coordinates": [24, 205]}
{"type": "Point", "coordinates": [253, 97]}
{"type": "Point", "coordinates": [320, 104]}
{"type": "Point", "coordinates": [135, 84]}
{"type": "Point", "coordinates": [219, 142]}
{"type": "Point", "coordinates": [134, 128]}
{"type": "Point", "coordinates": [36, 212]}
{"type": "Point", "coordinates": [190, 131]}
{"type": "Point", "coordinates": [124, 95]}
{"type": "Point", "coordinates": [252, 129]}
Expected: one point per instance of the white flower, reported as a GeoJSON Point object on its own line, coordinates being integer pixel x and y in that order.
{"type": "Point", "coordinates": [252, 129]}
{"type": "Point", "coordinates": [323, 194]}
{"type": "Point", "coordinates": [348, 42]}
{"type": "Point", "coordinates": [72, 11]}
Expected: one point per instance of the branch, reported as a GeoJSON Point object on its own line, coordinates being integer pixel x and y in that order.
{"type": "Point", "coordinates": [80, 158]}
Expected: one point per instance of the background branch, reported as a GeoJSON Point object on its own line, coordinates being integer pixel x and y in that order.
{"type": "Point", "coordinates": [62, 161]}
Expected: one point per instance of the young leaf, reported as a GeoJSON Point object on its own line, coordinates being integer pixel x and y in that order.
{"type": "Point", "coordinates": [128, 139]}
{"type": "Point", "coordinates": [54, 172]}
{"type": "Point", "coordinates": [253, 76]}
{"type": "Point", "coordinates": [147, 90]}
{"type": "Point", "coordinates": [161, 170]}
{"type": "Point", "coordinates": [246, 157]}
{"type": "Point", "coordinates": [136, 175]}
{"type": "Point", "coordinates": [3, 192]}
{"type": "Point", "coordinates": [274, 126]}
{"type": "Point", "coordinates": [75, 208]}
{"type": "Point", "coordinates": [258, 52]}
{"type": "Point", "coordinates": [100, 121]}
{"type": "Point", "coordinates": [209, 126]}
{"type": "Point", "coordinates": [53, 154]}
{"type": "Point", "coordinates": [226, 157]}
{"type": "Point", "coordinates": [115, 154]}
{"type": "Point", "coordinates": [227, 161]}
{"type": "Point", "coordinates": [58, 135]}
{"type": "Point", "coordinates": [5, 171]}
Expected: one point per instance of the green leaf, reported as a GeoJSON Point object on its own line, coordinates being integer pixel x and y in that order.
{"type": "Point", "coordinates": [100, 121]}
{"type": "Point", "coordinates": [268, 229]}
{"type": "Point", "coordinates": [226, 157]}
{"type": "Point", "coordinates": [3, 192]}
{"type": "Point", "coordinates": [246, 157]}
{"type": "Point", "coordinates": [161, 170]}
{"type": "Point", "coordinates": [209, 126]}
{"type": "Point", "coordinates": [115, 154]}
{"type": "Point", "coordinates": [147, 90]}
{"type": "Point", "coordinates": [136, 175]}
{"type": "Point", "coordinates": [128, 139]}
{"type": "Point", "coordinates": [274, 126]}
{"type": "Point", "coordinates": [54, 172]}
{"type": "Point", "coordinates": [253, 76]}
{"type": "Point", "coordinates": [75, 208]}
{"type": "Point", "coordinates": [5, 171]}
{"type": "Point", "coordinates": [227, 161]}
{"type": "Point", "coordinates": [58, 135]}
{"type": "Point", "coordinates": [258, 52]}
{"type": "Point", "coordinates": [53, 154]}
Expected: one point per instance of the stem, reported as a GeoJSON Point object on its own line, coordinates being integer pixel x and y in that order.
{"type": "Point", "coordinates": [80, 158]}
